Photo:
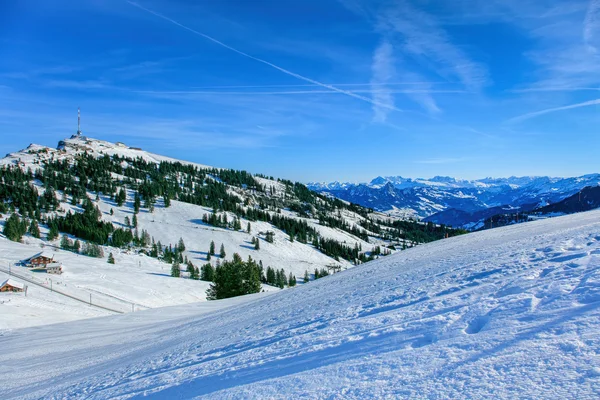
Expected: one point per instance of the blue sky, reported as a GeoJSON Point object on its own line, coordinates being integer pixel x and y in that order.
{"type": "Point", "coordinates": [313, 90]}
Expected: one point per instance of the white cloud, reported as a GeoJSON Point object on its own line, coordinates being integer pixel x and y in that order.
{"type": "Point", "coordinates": [383, 71]}
{"type": "Point", "coordinates": [591, 25]}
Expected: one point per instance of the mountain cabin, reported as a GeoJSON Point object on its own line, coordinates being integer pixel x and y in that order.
{"type": "Point", "coordinates": [43, 258]}
{"type": "Point", "coordinates": [54, 268]}
{"type": "Point", "coordinates": [11, 285]}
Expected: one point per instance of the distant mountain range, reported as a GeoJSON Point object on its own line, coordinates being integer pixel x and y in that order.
{"type": "Point", "coordinates": [460, 203]}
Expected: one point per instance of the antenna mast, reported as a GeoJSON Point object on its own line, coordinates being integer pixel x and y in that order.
{"type": "Point", "coordinates": [78, 122]}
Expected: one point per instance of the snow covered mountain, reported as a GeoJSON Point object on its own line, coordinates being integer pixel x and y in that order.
{"type": "Point", "coordinates": [425, 198]}
{"type": "Point", "coordinates": [505, 313]}
{"type": "Point", "coordinates": [278, 223]}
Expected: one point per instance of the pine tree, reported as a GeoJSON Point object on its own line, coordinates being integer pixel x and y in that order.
{"type": "Point", "coordinates": [134, 221]}
{"type": "Point", "coordinates": [175, 270]}
{"type": "Point", "coordinates": [248, 228]}
{"type": "Point", "coordinates": [52, 233]}
{"type": "Point", "coordinates": [181, 245]}
{"type": "Point", "coordinates": [15, 228]}
{"type": "Point", "coordinates": [127, 222]}
{"type": "Point", "coordinates": [222, 253]}
{"type": "Point", "coordinates": [211, 250]}
{"type": "Point", "coordinates": [257, 244]}
{"type": "Point", "coordinates": [306, 277]}
{"type": "Point", "coordinates": [112, 212]}
{"type": "Point", "coordinates": [111, 258]}
{"type": "Point", "coordinates": [270, 237]}
{"type": "Point", "coordinates": [66, 243]}
{"type": "Point", "coordinates": [291, 280]}
{"type": "Point", "coordinates": [121, 197]}
{"type": "Point", "coordinates": [207, 256]}
{"type": "Point", "coordinates": [207, 273]}
{"type": "Point", "coordinates": [34, 229]}
{"type": "Point", "coordinates": [284, 280]}
{"type": "Point", "coordinates": [137, 202]}
{"type": "Point", "coordinates": [271, 276]}
{"type": "Point", "coordinates": [234, 278]}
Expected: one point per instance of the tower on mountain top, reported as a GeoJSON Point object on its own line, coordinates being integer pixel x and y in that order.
{"type": "Point", "coordinates": [78, 122]}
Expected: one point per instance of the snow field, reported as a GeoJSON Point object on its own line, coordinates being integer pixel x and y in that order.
{"type": "Point", "coordinates": [507, 313]}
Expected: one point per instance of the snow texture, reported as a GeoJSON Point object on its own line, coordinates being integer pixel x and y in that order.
{"type": "Point", "coordinates": [507, 313]}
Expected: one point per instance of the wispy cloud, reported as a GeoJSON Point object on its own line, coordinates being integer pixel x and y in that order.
{"type": "Point", "coordinates": [260, 60]}
{"type": "Point", "coordinates": [412, 36]}
{"type": "Point", "coordinates": [425, 39]}
{"type": "Point", "coordinates": [591, 25]}
{"type": "Point", "coordinates": [383, 71]}
{"type": "Point", "coordinates": [554, 109]}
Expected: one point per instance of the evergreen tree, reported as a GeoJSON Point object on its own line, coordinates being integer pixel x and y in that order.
{"type": "Point", "coordinates": [207, 256]}
{"type": "Point", "coordinates": [284, 280]}
{"type": "Point", "coordinates": [291, 280]}
{"type": "Point", "coordinates": [111, 258]}
{"type": "Point", "coordinates": [34, 229]}
{"type": "Point", "coordinates": [15, 228]}
{"type": "Point", "coordinates": [248, 228]}
{"type": "Point", "coordinates": [306, 277]}
{"type": "Point", "coordinates": [52, 232]}
{"type": "Point", "coordinates": [207, 273]}
{"type": "Point", "coordinates": [271, 278]}
{"type": "Point", "coordinates": [222, 253]}
{"type": "Point", "coordinates": [211, 250]}
{"type": "Point", "coordinates": [134, 221]}
{"type": "Point", "coordinates": [257, 244]}
{"type": "Point", "coordinates": [270, 237]}
{"type": "Point", "coordinates": [181, 245]}
{"type": "Point", "coordinates": [137, 202]}
{"type": "Point", "coordinates": [112, 212]}
{"type": "Point", "coordinates": [66, 243]}
{"type": "Point", "coordinates": [175, 270]}
{"type": "Point", "coordinates": [121, 197]}
{"type": "Point", "coordinates": [316, 273]}
{"type": "Point", "coordinates": [234, 278]}
{"type": "Point", "coordinates": [127, 222]}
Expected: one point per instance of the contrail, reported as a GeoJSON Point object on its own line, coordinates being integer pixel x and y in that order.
{"type": "Point", "coordinates": [392, 91]}
{"type": "Point", "coordinates": [285, 71]}
{"type": "Point", "coordinates": [555, 109]}
{"type": "Point", "coordinates": [313, 85]}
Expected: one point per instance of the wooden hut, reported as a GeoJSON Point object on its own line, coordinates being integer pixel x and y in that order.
{"type": "Point", "coordinates": [40, 259]}
{"type": "Point", "coordinates": [11, 285]}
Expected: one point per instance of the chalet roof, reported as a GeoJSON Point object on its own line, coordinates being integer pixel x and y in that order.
{"type": "Point", "coordinates": [45, 254]}
{"type": "Point", "coordinates": [13, 283]}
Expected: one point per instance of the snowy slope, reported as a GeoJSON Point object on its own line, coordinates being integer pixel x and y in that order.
{"type": "Point", "coordinates": [139, 282]}
{"type": "Point", "coordinates": [505, 313]}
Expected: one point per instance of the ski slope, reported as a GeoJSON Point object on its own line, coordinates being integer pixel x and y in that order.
{"type": "Point", "coordinates": [505, 313]}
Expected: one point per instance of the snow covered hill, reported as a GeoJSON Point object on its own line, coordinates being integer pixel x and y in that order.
{"type": "Point", "coordinates": [449, 201]}
{"type": "Point", "coordinates": [140, 281]}
{"type": "Point", "coordinates": [507, 313]}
